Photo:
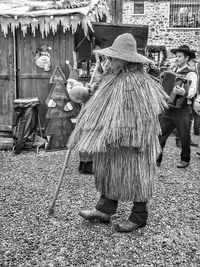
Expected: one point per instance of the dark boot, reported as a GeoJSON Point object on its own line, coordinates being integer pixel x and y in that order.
{"type": "Point", "coordinates": [106, 205]}
{"type": "Point", "coordinates": [137, 219]}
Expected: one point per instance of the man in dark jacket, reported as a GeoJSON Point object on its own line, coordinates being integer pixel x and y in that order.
{"type": "Point", "coordinates": [179, 118]}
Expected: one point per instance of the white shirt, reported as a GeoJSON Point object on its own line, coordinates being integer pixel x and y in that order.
{"type": "Point", "coordinates": [192, 76]}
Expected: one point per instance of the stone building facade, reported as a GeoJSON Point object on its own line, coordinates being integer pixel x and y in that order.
{"type": "Point", "coordinates": [157, 16]}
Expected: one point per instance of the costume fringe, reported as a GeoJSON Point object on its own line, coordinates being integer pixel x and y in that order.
{"type": "Point", "coordinates": [124, 175]}
{"type": "Point", "coordinates": [119, 128]}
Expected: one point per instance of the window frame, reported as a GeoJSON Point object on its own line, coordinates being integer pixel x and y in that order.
{"type": "Point", "coordinates": [139, 2]}
{"type": "Point", "coordinates": [135, 2]}
{"type": "Point", "coordinates": [183, 5]}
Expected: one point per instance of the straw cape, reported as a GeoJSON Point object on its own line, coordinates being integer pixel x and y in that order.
{"type": "Point", "coordinates": [119, 128]}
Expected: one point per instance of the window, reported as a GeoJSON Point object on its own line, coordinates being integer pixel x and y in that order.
{"type": "Point", "coordinates": [138, 7]}
{"type": "Point", "coordinates": [185, 14]}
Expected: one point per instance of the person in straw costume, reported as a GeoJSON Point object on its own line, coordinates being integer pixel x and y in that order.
{"type": "Point", "coordinates": [119, 128]}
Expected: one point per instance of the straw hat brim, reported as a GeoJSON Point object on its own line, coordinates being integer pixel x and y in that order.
{"type": "Point", "coordinates": [133, 57]}
{"type": "Point", "coordinates": [189, 53]}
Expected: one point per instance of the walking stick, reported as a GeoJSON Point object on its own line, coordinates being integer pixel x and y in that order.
{"type": "Point", "coordinates": [51, 208]}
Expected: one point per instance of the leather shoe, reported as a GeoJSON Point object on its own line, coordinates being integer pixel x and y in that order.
{"type": "Point", "coordinates": [183, 164]}
{"type": "Point", "coordinates": [193, 144]}
{"type": "Point", "coordinates": [95, 215]}
{"type": "Point", "coordinates": [128, 226]}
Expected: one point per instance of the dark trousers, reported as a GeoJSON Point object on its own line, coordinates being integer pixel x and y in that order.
{"type": "Point", "coordinates": [139, 212]}
{"type": "Point", "coordinates": [196, 123]}
{"type": "Point", "coordinates": [196, 126]}
{"type": "Point", "coordinates": [85, 167]}
{"type": "Point", "coordinates": [179, 119]}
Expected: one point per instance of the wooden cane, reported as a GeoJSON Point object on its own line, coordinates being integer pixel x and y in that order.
{"type": "Point", "coordinates": [51, 208]}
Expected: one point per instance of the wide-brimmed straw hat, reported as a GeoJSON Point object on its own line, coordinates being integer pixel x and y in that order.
{"type": "Point", "coordinates": [185, 49]}
{"type": "Point", "coordinates": [124, 47]}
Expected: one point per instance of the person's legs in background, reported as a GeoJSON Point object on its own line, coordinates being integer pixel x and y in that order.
{"type": "Point", "coordinates": [191, 120]}
{"type": "Point", "coordinates": [85, 164]}
{"type": "Point", "coordinates": [178, 140]}
{"type": "Point", "coordinates": [85, 167]}
{"type": "Point", "coordinates": [196, 126]}
{"type": "Point", "coordinates": [182, 121]}
{"type": "Point", "coordinates": [167, 127]}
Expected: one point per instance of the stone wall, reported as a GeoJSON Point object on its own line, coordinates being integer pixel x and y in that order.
{"type": "Point", "coordinates": [157, 17]}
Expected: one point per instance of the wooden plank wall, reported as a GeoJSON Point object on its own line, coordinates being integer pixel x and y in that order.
{"type": "Point", "coordinates": [116, 11]}
{"type": "Point", "coordinates": [7, 87]}
{"type": "Point", "coordinates": [33, 81]}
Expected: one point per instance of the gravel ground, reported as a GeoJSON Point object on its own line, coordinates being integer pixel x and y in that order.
{"type": "Point", "coordinates": [31, 238]}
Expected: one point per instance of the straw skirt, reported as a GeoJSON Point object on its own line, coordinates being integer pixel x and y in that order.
{"type": "Point", "coordinates": [124, 174]}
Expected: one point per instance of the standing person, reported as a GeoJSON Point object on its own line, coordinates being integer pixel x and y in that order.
{"type": "Point", "coordinates": [119, 127]}
{"type": "Point", "coordinates": [180, 117]}
{"type": "Point", "coordinates": [195, 65]}
{"type": "Point", "coordinates": [152, 70]}
{"type": "Point", "coordinates": [192, 63]}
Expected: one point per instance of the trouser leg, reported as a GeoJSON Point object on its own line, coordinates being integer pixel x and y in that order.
{"type": "Point", "coordinates": [139, 213]}
{"type": "Point", "coordinates": [182, 121]}
{"type": "Point", "coordinates": [106, 205]}
{"type": "Point", "coordinates": [196, 123]}
{"type": "Point", "coordinates": [191, 119]}
{"type": "Point", "coordinates": [178, 139]}
{"type": "Point", "coordinates": [190, 124]}
{"type": "Point", "coordinates": [167, 127]}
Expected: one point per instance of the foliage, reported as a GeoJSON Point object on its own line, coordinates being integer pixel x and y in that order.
{"type": "Point", "coordinates": [157, 49]}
